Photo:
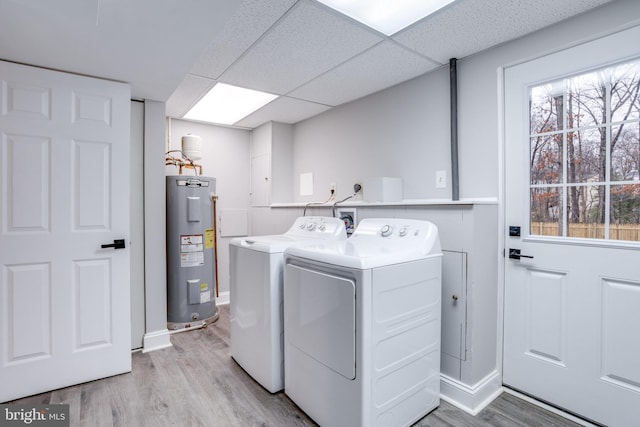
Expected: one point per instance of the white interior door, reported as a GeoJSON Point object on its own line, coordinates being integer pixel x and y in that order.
{"type": "Point", "coordinates": [572, 307]}
{"type": "Point", "coordinates": [64, 186]}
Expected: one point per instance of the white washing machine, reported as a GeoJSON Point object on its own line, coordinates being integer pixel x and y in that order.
{"type": "Point", "coordinates": [256, 275]}
{"type": "Point", "coordinates": [362, 325]}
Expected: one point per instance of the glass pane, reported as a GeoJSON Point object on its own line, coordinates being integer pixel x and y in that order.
{"type": "Point", "coordinates": [625, 152]}
{"type": "Point", "coordinates": [585, 211]}
{"type": "Point", "coordinates": [586, 155]}
{"type": "Point", "coordinates": [625, 84]}
{"type": "Point", "coordinates": [546, 159]}
{"type": "Point", "coordinates": [545, 113]}
{"type": "Point", "coordinates": [586, 101]}
{"type": "Point", "coordinates": [625, 212]}
{"type": "Point", "coordinates": [546, 211]}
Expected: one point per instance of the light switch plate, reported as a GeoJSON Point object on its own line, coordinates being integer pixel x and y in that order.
{"type": "Point", "coordinates": [441, 179]}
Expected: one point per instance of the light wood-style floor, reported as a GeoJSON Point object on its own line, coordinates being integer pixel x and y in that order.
{"type": "Point", "coordinates": [196, 383]}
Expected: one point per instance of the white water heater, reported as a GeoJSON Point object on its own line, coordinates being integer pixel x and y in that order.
{"type": "Point", "coordinates": [190, 252]}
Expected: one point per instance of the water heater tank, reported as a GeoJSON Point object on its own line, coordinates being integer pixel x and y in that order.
{"type": "Point", "coordinates": [190, 240]}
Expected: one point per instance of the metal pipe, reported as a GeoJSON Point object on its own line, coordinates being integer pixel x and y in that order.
{"type": "Point", "coordinates": [453, 88]}
{"type": "Point", "coordinates": [214, 198]}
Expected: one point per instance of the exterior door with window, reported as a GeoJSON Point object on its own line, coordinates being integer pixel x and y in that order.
{"type": "Point", "coordinates": [572, 208]}
{"type": "Point", "coordinates": [64, 186]}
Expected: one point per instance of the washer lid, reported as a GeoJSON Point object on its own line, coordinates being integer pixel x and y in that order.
{"type": "Point", "coordinates": [376, 243]}
{"type": "Point", "coordinates": [308, 230]}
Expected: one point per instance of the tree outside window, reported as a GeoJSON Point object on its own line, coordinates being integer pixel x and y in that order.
{"type": "Point", "coordinates": [585, 155]}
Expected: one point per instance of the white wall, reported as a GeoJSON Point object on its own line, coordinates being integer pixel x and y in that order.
{"type": "Point", "coordinates": [225, 156]}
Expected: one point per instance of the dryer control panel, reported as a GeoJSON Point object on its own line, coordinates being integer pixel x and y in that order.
{"type": "Point", "coordinates": [395, 228]}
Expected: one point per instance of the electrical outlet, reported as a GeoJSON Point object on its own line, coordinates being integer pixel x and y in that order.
{"type": "Point", "coordinates": [441, 179]}
{"type": "Point", "coordinates": [333, 187]}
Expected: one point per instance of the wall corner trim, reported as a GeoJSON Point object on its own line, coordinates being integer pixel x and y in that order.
{"type": "Point", "coordinates": [156, 340]}
{"type": "Point", "coordinates": [471, 399]}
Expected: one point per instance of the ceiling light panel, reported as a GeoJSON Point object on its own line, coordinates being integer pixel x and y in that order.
{"type": "Point", "coordinates": [386, 16]}
{"type": "Point", "coordinates": [226, 104]}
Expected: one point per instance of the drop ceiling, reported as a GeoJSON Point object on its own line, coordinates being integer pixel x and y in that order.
{"type": "Point", "coordinates": [312, 56]}
{"type": "Point", "coordinates": [316, 58]}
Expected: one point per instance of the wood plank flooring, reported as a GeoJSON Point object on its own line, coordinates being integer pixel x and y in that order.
{"type": "Point", "coordinates": [196, 383]}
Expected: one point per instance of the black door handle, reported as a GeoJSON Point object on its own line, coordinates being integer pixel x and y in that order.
{"type": "Point", "coordinates": [117, 244]}
{"type": "Point", "coordinates": [515, 254]}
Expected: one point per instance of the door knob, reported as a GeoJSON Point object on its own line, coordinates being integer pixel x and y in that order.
{"type": "Point", "coordinates": [515, 254]}
{"type": "Point", "coordinates": [454, 297]}
{"type": "Point", "coordinates": [117, 244]}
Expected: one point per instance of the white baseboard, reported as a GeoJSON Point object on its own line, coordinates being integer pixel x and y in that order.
{"type": "Point", "coordinates": [471, 399]}
{"type": "Point", "coordinates": [222, 298]}
{"type": "Point", "coordinates": [156, 340]}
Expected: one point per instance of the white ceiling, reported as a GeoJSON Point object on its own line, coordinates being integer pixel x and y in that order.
{"type": "Point", "coordinates": [314, 57]}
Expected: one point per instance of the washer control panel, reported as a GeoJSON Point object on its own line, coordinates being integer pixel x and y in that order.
{"type": "Point", "coordinates": [317, 226]}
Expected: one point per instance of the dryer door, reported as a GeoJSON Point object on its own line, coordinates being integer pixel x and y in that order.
{"type": "Point", "coordinates": [320, 317]}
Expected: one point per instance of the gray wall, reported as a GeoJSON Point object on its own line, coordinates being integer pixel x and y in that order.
{"type": "Point", "coordinates": [155, 273]}
{"type": "Point", "coordinates": [137, 225]}
{"type": "Point", "coordinates": [225, 156]}
{"type": "Point", "coordinates": [404, 131]}
{"type": "Point", "coordinates": [399, 132]}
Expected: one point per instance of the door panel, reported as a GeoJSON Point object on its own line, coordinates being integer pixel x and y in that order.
{"type": "Point", "coordinates": [27, 207]}
{"type": "Point", "coordinates": [29, 315]}
{"type": "Point", "coordinates": [91, 179]}
{"type": "Point", "coordinates": [546, 315]}
{"type": "Point", "coordinates": [92, 296]}
{"type": "Point", "coordinates": [64, 188]}
{"type": "Point", "coordinates": [571, 322]}
{"type": "Point", "coordinates": [620, 303]}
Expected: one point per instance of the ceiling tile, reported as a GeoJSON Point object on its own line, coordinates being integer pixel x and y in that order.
{"type": "Point", "coordinates": [150, 44]}
{"type": "Point", "coordinates": [252, 19]}
{"type": "Point", "coordinates": [187, 93]}
{"type": "Point", "coordinates": [378, 68]}
{"type": "Point", "coordinates": [310, 40]}
{"type": "Point", "coordinates": [467, 27]}
{"type": "Point", "coordinates": [285, 110]}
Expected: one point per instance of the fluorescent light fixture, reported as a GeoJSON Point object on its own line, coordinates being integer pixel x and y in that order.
{"type": "Point", "coordinates": [225, 104]}
{"type": "Point", "coordinates": [386, 16]}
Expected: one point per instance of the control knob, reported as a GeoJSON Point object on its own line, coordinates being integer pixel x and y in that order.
{"type": "Point", "coordinates": [386, 231]}
{"type": "Point", "coordinates": [311, 226]}
{"type": "Point", "coordinates": [403, 231]}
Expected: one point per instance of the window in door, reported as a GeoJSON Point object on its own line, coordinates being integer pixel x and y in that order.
{"type": "Point", "coordinates": [585, 155]}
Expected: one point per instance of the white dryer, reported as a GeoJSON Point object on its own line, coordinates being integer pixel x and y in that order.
{"type": "Point", "coordinates": [256, 275]}
{"type": "Point", "coordinates": [362, 325]}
